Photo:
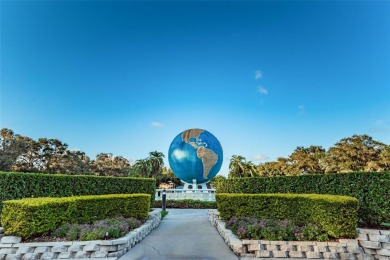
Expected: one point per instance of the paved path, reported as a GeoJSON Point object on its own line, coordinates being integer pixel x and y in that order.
{"type": "Point", "coordinates": [183, 234]}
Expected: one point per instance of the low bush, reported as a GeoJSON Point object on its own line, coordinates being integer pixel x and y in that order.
{"type": "Point", "coordinates": [102, 229]}
{"type": "Point", "coordinates": [35, 216]}
{"type": "Point", "coordinates": [34, 185]}
{"type": "Point", "coordinates": [372, 189]}
{"type": "Point", "coordinates": [337, 215]}
{"type": "Point", "coordinates": [271, 229]}
{"type": "Point", "coordinates": [164, 213]}
{"type": "Point", "coordinates": [186, 204]}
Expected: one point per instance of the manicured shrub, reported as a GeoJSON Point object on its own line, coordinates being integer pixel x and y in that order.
{"type": "Point", "coordinates": [36, 216]}
{"type": "Point", "coordinates": [372, 189]}
{"type": "Point", "coordinates": [28, 185]}
{"type": "Point", "coordinates": [186, 204]}
{"type": "Point", "coordinates": [337, 215]}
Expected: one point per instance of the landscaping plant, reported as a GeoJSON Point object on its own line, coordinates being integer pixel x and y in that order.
{"type": "Point", "coordinates": [371, 189]}
{"type": "Point", "coordinates": [276, 230]}
{"type": "Point", "coordinates": [15, 185]}
{"type": "Point", "coordinates": [38, 216]}
{"type": "Point", "coordinates": [163, 213]}
{"type": "Point", "coordinates": [103, 229]}
{"type": "Point", "coordinates": [337, 215]}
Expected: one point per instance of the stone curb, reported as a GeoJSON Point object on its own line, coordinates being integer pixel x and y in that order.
{"type": "Point", "coordinates": [369, 245]}
{"type": "Point", "coordinates": [12, 248]}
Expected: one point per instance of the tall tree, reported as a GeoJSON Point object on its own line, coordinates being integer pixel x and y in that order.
{"type": "Point", "coordinates": [352, 154]}
{"type": "Point", "coordinates": [30, 160]}
{"type": "Point", "coordinates": [250, 169]}
{"type": "Point", "coordinates": [236, 166]}
{"type": "Point", "coordinates": [156, 160]}
{"type": "Point", "coordinates": [43, 155]}
{"type": "Point", "coordinates": [52, 153]}
{"type": "Point", "coordinates": [168, 176]}
{"type": "Point", "coordinates": [106, 164]}
{"type": "Point", "coordinates": [384, 159]}
{"type": "Point", "coordinates": [306, 160]}
{"type": "Point", "coordinates": [278, 168]}
{"type": "Point", "coordinates": [141, 168]}
{"type": "Point", "coordinates": [216, 180]}
{"type": "Point", "coordinates": [72, 162]}
{"type": "Point", "coordinates": [11, 146]}
{"type": "Point", "coordinates": [382, 163]}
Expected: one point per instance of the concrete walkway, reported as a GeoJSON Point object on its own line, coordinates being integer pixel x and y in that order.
{"type": "Point", "coordinates": [183, 234]}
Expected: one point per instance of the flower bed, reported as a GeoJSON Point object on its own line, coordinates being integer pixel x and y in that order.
{"type": "Point", "coordinates": [12, 248]}
{"type": "Point", "coordinates": [110, 228]}
{"type": "Point", "coordinates": [369, 244]}
{"type": "Point", "coordinates": [270, 229]}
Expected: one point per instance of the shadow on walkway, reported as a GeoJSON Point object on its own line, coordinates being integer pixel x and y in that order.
{"type": "Point", "coordinates": [183, 234]}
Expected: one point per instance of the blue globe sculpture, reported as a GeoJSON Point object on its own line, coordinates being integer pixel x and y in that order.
{"type": "Point", "coordinates": [195, 154]}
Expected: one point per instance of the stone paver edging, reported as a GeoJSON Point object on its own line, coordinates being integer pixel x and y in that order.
{"type": "Point", "coordinates": [370, 244]}
{"type": "Point", "coordinates": [11, 247]}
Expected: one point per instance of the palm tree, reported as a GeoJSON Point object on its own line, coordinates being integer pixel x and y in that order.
{"type": "Point", "coordinates": [141, 168]}
{"type": "Point", "coordinates": [250, 169]}
{"type": "Point", "coordinates": [236, 166]}
{"type": "Point", "coordinates": [156, 163]}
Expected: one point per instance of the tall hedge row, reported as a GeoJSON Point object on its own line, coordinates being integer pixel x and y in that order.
{"type": "Point", "coordinates": [337, 215]}
{"type": "Point", "coordinates": [372, 189]}
{"type": "Point", "coordinates": [27, 185]}
{"type": "Point", "coordinates": [35, 216]}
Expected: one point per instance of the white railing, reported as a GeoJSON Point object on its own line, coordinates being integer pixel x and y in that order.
{"type": "Point", "coordinates": [181, 194]}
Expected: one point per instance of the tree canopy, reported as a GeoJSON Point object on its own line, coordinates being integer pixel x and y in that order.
{"type": "Point", "coordinates": [23, 154]}
{"type": "Point", "coordinates": [351, 154]}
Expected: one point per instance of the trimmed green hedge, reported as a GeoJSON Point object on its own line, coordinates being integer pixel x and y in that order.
{"type": "Point", "coordinates": [186, 204]}
{"type": "Point", "coordinates": [26, 185]}
{"type": "Point", "coordinates": [337, 215]}
{"type": "Point", "coordinates": [36, 216]}
{"type": "Point", "coordinates": [372, 189]}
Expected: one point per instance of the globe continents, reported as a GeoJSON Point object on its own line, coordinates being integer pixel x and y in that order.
{"type": "Point", "coordinates": [195, 154]}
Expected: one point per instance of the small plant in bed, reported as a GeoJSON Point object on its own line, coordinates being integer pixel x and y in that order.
{"type": "Point", "coordinates": [269, 229]}
{"type": "Point", "coordinates": [110, 228]}
{"type": "Point", "coordinates": [163, 213]}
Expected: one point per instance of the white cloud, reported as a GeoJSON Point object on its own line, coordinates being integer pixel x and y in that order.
{"type": "Point", "coordinates": [260, 157]}
{"type": "Point", "coordinates": [381, 126]}
{"type": "Point", "coordinates": [156, 124]}
{"type": "Point", "coordinates": [380, 122]}
{"type": "Point", "coordinates": [263, 90]}
{"type": "Point", "coordinates": [379, 130]}
{"type": "Point", "coordinates": [258, 74]}
{"type": "Point", "coordinates": [179, 154]}
{"type": "Point", "coordinates": [301, 110]}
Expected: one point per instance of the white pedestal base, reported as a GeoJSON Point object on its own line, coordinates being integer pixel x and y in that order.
{"type": "Point", "coordinates": [195, 186]}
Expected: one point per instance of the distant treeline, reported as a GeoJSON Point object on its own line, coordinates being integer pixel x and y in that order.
{"type": "Point", "coordinates": [352, 154]}
{"type": "Point", "coordinates": [23, 154]}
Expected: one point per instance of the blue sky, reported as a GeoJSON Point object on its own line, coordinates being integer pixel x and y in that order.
{"type": "Point", "coordinates": [264, 77]}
